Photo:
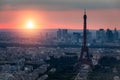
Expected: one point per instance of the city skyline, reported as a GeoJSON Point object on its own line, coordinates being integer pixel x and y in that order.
{"type": "Point", "coordinates": [59, 40]}
{"type": "Point", "coordinates": [53, 14]}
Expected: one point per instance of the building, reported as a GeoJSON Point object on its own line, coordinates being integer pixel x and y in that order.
{"type": "Point", "coordinates": [62, 36]}
{"type": "Point", "coordinates": [89, 37]}
{"type": "Point", "coordinates": [116, 34]}
{"type": "Point", "coordinates": [109, 36]}
{"type": "Point", "coordinates": [76, 37]}
{"type": "Point", "coordinates": [62, 33]}
{"type": "Point", "coordinates": [100, 35]}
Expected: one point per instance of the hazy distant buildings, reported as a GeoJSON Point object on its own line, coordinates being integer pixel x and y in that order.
{"type": "Point", "coordinates": [66, 37]}
{"type": "Point", "coordinates": [62, 33]}
{"type": "Point", "coordinates": [61, 36]}
{"type": "Point", "coordinates": [89, 37]}
{"type": "Point", "coordinates": [116, 34]}
{"type": "Point", "coordinates": [109, 35]}
{"type": "Point", "coordinates": [100, 35]}
{"type": "Point", "coordinates": [76, 37]}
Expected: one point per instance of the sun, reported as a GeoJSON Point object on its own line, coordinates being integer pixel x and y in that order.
{"type": "Point", "coordinates": [30, 25]}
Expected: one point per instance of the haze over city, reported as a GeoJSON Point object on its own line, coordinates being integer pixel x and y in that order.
{"type": "Point", "coordinates": [59, 40]}
{"type": "Point", "coordinates": [52, 14]}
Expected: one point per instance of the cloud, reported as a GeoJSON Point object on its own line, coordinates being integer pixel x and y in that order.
{"type": "Point", "coordinates": [58, 5]}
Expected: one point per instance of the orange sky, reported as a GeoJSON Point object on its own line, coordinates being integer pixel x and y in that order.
{"type": "Point", "coordinates": [58, 14]}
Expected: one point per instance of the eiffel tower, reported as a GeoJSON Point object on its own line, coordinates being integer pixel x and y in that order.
{"type": "Point", "coordinates": [85, 56]}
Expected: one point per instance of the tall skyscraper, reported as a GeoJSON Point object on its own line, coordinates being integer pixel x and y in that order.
{"type": "Point", "coordinates": [76, 37]}
{"type": "Point", "coordinates": [116, 34]}
{"type": "Point", "coordinates": [62, 33]}
{"type": "Point", "coordinates": [109, 35]}
{"type": "Point", "coordinates": [100, 35]}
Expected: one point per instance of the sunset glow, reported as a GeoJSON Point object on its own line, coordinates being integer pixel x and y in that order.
{"type": "Point", "coordinates": [30, 25]}
{"type": "Point", "coordinates": [54, 14]}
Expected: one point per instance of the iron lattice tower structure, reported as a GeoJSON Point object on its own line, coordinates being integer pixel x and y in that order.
{"type": "Point", "coordinates": [85, 56]}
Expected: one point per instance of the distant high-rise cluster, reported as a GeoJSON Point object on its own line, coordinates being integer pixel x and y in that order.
{"type": "Point", "coordinates": [66, 36]}
{"type": "Point", "coordinates": [107, 35]}
{"type": "Point", "coordinates": [72, 37]}
{"type": "Point", "coordinates": [62, 33]}
{"type": "Point", "coordinates": [62, 36]}
{"type": "Point", "coordinates": [76, 37]}
{"type": "Point", "coordinates": [100, 35]}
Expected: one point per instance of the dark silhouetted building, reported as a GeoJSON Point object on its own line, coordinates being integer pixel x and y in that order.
{"type": "Point", "coordinates": [76, 37]}
{"type": "Point", "coordinates": [89, 37]}
{"type": "Point", "coordinates": [109, 35]}
{"type": "Point", "coordinates": [116, 34]}
{"type": "Point", "coordinates": [62, 33]}
{"type": "Point", "coordinates": [100, 35]}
